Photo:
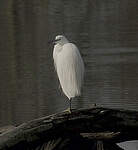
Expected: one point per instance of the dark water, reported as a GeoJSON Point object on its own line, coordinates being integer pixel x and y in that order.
{"type": "Point", "coordinates": [106, 33]}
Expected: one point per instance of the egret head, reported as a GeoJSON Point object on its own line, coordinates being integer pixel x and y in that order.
{"type": "Point", "coordinates": [60, 39]}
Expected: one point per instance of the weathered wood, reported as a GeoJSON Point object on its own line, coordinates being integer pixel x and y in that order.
{"type": "Point", "coordinates": [6, 128]}
{"type": "Point", "coordinates": [64, 124]}
{"type": "Point", "coordinates": [101, 135]}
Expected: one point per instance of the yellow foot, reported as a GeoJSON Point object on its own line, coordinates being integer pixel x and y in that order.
{"type": "Point", "coordinates": [67, 110]}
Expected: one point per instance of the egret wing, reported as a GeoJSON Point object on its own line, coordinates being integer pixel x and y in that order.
{"type": "Point", "coordinates": [70, 70]}
{"type": "Point", "coordinates": [57, 49]}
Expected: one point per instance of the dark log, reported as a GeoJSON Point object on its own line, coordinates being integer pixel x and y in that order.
{"type": "Point", "coordinates": [123, 124]}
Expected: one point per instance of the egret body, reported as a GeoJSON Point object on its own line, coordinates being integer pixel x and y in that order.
{"type": "Point", "coordinates": [69, 66]}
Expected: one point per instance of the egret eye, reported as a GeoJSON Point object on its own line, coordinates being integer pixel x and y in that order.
{"type": "Point", "coordinates": [57, 40]}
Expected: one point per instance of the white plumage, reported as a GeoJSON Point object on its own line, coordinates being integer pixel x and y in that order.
{"type": "Point", "coordinates": [69, 66]}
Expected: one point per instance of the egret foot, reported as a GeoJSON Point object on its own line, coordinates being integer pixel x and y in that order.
{"type": "Point", "coordinates": [68, 110]}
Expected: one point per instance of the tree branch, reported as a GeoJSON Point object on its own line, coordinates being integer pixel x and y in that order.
{"type": "Point", "coordinates": [123, 125]}
{"type": "Point", "coordinates": [101, 135]}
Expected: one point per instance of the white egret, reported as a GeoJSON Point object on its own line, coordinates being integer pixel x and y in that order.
{"type": "Point", "coordinates": [69, 66]}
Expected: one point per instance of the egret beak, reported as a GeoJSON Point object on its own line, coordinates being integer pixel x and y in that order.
{"type": "Point", "coordinates": [53, 41]}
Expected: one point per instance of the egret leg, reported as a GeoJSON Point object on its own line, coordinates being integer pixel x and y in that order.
{"type": "Point", "coordinates": [69, 109]}
{"type": "Point", "coordinates": [70, 104]}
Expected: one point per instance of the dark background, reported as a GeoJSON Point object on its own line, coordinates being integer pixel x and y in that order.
{"type": "Point", "coordinates": [105, 31]}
